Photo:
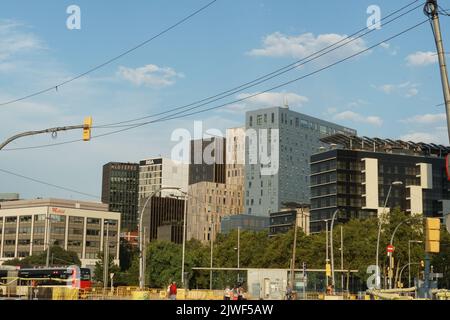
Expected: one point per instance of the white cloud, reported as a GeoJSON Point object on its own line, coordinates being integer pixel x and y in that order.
{"type": "Point", "coordinates": [425, 118]}
{"type": "Point", "coordinates": [406, 89]}
{"type": "Point", "coordinates": [14, 40]}
{"type": "Point", "coordinates": [388, 48]}
{"type": "Point", "coordinates": [150, 75]}
{"type": "Point", "coordinates": [303, 45]}
{"type": "Point", "coordinates": [356, 117]}
{"type": "Point", "coordinates": [266, 99]}
{"type": "Point", "coordinates": [357, 103]}
{"type": "Point", "coordinates": [420, 59]}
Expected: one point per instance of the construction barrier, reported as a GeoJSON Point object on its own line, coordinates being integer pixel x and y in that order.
{"type": "Point", "coordinates": [64, 293]}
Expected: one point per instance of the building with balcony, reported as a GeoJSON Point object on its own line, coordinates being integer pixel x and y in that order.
{"type": "Point", "coordinates": [355, 176]}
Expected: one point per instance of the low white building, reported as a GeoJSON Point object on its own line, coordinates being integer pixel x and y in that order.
{"type": "Point", "coordinates": [77, 226]}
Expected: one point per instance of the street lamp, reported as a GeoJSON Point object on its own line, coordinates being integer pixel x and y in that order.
{"type": "Point", "coordinates": [238, 248]}
{"type": "Point", "coordinates": [141, 243]}
{"type": "Point", "coordinates": [395, 183]}
{"type": "Point", "coordinates": [409, 259]}
{"type": "Point", "coordinates": [295, 243]}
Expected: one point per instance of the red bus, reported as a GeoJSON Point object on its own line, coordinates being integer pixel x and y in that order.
{"type": "Point", "coordinates": [59, 276]}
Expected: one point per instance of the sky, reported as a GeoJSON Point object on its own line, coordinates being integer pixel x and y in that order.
{"type": "Point", "coordinates": [390, 91]}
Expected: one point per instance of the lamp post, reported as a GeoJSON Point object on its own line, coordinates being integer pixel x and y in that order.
{"type": "Point", "coordinates": [141, 240]}
{"type": "Point", "coordinates": [238, 248]}
{"type": "Point", "coordinates": [106, 258]}
{"type": "Point", "coordinates": [327, 261]}
{"type": "Point", "coordinates": [294, 246]}
{"type": "Point", "coordinates": [211, 261]}
{"type": "Point", "coordinates": [331, 245]}
{"type": "Point", "coordinates": [395, 183]}
{"type": "Point", "coordinates": [409, 259]}
{"type": "Point", "coordinates": [391, 262]}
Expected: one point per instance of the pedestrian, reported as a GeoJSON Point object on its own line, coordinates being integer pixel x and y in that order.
{"type": "Point", "coordinates": [240, 293]}
{"type": "Point", "coordinates": [173, 291]}
{"type": "Point", "coordinates": [289, 292]}
{"type": "Point", "coordinates": [235, 293]}
{"type": "Point", "coordinates": [227, 294]}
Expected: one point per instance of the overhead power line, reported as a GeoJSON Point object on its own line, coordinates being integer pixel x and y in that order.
{"type": "Point", "coordinates": [301, 62]}
{"type": "Point", "coordinates": [56, 86]}
{"type": "Point", "coordinates": [182, 114]}
{"type": "Point", "coordinates": [49, 184]}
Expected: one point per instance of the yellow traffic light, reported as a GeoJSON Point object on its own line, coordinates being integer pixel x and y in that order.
{"type": "Point", "coordinates": [432, 235]}
{"type": "Point", "coordinates": [87, 128]}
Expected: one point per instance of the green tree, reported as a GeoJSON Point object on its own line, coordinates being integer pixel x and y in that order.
{"type": "Point", "coordinates": [112, 268]}
{"type": "Point", "coordinates": [58, 257]}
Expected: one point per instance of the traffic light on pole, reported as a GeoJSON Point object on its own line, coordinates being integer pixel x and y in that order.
{"type": "Point", "coordinates": [87, 128]}
{"type": "Point", "coordinates": [432, 235]}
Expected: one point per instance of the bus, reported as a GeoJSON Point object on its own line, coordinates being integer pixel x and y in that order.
{"type": "Point", "coordinates": [54, 276]}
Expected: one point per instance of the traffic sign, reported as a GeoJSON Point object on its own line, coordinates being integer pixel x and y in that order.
{"type": "Point", "coordinates": [390, 248]}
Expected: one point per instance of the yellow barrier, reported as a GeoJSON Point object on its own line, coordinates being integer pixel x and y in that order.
{"type": "Point", "coordinates": [63, 293]}
{"type": "Point", "coordinates": [140, 295]}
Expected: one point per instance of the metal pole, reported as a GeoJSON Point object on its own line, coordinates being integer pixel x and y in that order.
{"type": "Point", "coordinates": [431, 8]}
{"type": "Point", "coordinates": [409, 264]}
{"type": "Point", "coordinates": [238, 251]}
{"type": "Point", "coordinates": [49, 227]}
{"type": "Point", "coordinates": [378, 238]}
{"type": "Point", "coordinates": [211, 262]}
{"type": "Point", "coordinates": [293, 251]}
{"type": "Point", "coordinates": [326, 252]}
{"type": "Point", "coordinates": [342, 259]}
{"type": "Point", "coordinates": [427, 276]}
{"type": "Point", "coordinates": [332, 247]}
{"type": "Point", "coordinates": [184, 240]}
{"type": "Point", "coordinates": [106, 258]}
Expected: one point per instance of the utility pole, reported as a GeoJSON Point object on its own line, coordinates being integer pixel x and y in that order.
{"type": "Point", "coordinates": [211, 262]}
{"type": "Point", "coordinates": [431, 10]}
{"type": "Point", "coordinates": [238, 251]}
{"type": "Point", "coordinates": [342, 259]}
{"type": "Point", "coordinates": [184, 241]}
{"type": "Point", "coordinates": [293, 251]}
{"type": "Point", "coordinates": [49, 226]}
{"type": "Point", "coordinates": [106, 258]}
{"type": "Point", "coordinates": [327, 261]}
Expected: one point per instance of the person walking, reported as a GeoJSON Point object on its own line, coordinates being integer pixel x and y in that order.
{"type": "Point", "coordinates": [173, 291]}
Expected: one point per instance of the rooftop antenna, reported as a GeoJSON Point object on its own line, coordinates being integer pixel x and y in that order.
{"type": "Point", "coordinates": [286, 104]}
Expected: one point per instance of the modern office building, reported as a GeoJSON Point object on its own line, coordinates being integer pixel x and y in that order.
{"type": "Point", "coordinates": [27, 227]}
{"type": "Point", "coordinates": [207, 162]}
{"type": "Point", "coordinates": [164, 211]}
{"type": "Point", "coordinates": [280, 143]}
{"type": "Point", "coordinates": [283, 221]}
{"type": "Point", "coordinates": [355, 176]}
{"type": "Point", "coordinates": [210, 201]}
{"type": "Point", "coordinates": [208, 204]}
{"type": "Point", "coordinates": [156, 173]}
{"type": "Point", "coordinates": [9, 197]}
{"type": "Point", "coordinates": [120, 191]}
{"type": "Point", "coordinates": [244, 222]}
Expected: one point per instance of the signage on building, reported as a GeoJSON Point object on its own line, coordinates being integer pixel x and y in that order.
{"type": "Point", "coordinates": [58, 211]}
{"type": "Point", "coordinates": [150, 162]}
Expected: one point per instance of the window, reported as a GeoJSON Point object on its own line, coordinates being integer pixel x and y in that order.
{"type": "Point", "coordinates": [24, 242]}
{"type": "Point", "coordinates": [92, 232]}
{"type": "Point", "coordinates": [38, 242]}
{"type": "Point", "coordinates": [24, 230]}
{"type": "Point", "coordinates": [10, 242]}
{"type": "Point", "coordinates": [93, 244]}
{"type": "Point", "coordinates": [39, 218]}
{"type": "Point", "coordinates": [91, 255]}
{"type": "Point", "coordinates": [39, 230]}
{"type": "Point", "coordinates": [58, 230]}
{"type": "Point", "coordinates": [74, 243]}
{"type": "Point", "coordinates": [25, 219]}
{"type": "Point", "coordinates": [259, 120]}
{"type": "Point", "coordinates": [11, 219]}
{"type": "Point", "coordinates": [251, 121]}
{"type": "Point", "coordinates": [10, 230]}
{"type": "Point", "coordinates": [76, 219]}
{"type": "Point", "coordinates": [8, 254]}
{"type": "Point", "coordinates": [76, 231]}
{"type": "Point", "coordinates": [56, 218]}
{"type": "Point", "coordinates": [273, 117]}
{"type": "Point", "coordinates": [93, 221]}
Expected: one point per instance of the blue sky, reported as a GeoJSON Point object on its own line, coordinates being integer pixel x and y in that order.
{"type": "Point", "coordinates": [391, 91]}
